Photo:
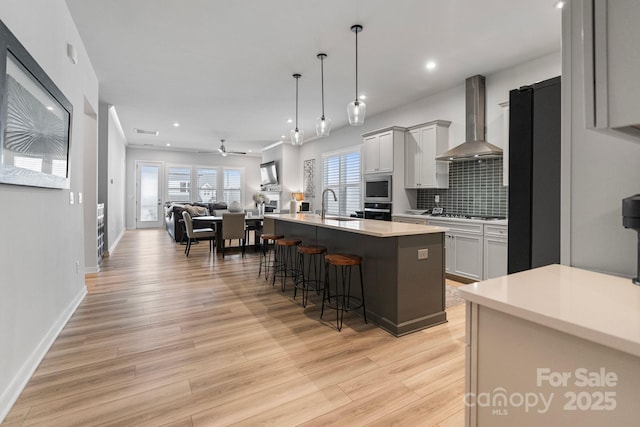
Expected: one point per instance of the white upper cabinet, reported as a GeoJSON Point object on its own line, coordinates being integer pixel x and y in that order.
{"type": "Point", "coordinates": [612, 65]}
{"type": "Point", "coordinates": [422, 144]}
{"type": "Point", "coordinates": [378, 150]}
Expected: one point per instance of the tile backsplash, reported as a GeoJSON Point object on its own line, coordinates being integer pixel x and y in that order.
{"type": "Point", "coordinates": [475, 188]}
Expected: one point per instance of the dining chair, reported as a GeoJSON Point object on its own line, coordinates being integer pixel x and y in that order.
{"type": "Point", "coordinates": [254, 225]}
{"type": "Point", "coordinates": [233, 227]}
{"type": "Point", "coordinates": [196, 234]}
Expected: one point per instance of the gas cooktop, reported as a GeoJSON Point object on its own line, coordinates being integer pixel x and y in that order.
{"type": "Point", "coordinates": [480, 217]}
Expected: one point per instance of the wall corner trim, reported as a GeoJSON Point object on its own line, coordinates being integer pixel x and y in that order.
{"type": "Point", "coordinates": [9, 396]}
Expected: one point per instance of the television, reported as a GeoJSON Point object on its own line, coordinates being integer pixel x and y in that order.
{"type": "Point", "coordinates": [269, 173]}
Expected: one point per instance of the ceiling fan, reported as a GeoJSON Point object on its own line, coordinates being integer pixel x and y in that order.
{"type": "Point", "coordinates": [223, 150]}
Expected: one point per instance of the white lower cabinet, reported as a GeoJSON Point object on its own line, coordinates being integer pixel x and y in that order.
{"type": "Point", "coordinates": [473, 249]}
{"type": "Point", "coordinates": [463, 248]}
{"type": "Point", "coordinates": [495, 251]}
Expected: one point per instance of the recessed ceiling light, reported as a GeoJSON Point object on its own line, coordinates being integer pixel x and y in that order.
{"type": "Point", "coordinates": [168, 145]}
{"type": "Point", "coordinates": [283, 137]}
{"type": "Point", "coordinates": [176, 124]}
{"type": "Point", "coordinates": [559, 4]}
{"type": "Point", "coordinates": [431, 65]}
{"type": "Point", "coordinates": [50, 108]}
{"type": "Point", "coordinates": [289, 121]}
{"type": "Point", "coordinates": [363, 97]}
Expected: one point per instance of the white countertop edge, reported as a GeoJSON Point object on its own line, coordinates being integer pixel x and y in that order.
{"type": "Point", "coordinates": [589, 334]}
{"type": "Point", "coordinates": [444, 218]}
{"type": "Point", "coordinates": [603, 336]}
{"type": "Point", "coordinates": [367, 227]}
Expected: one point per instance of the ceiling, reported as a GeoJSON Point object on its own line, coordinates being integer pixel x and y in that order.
{"type": "Point", "coordinates": [223, 69]}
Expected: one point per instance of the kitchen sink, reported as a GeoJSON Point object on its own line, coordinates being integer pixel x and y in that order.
{"type": "Point", "coordinates": [341, 219]}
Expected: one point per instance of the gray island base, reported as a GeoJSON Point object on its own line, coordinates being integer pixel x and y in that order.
{"type": "Point", "coordinates": [403, 294]}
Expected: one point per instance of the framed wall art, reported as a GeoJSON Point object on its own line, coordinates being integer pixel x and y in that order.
{"type": "Point", "coordinates": [35, 120]}
{"type": "Point", "coordinates": [309, 171]}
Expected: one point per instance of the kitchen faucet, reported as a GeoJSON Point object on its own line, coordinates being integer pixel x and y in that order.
{"type": "Point", "coordinates": [334, 198]}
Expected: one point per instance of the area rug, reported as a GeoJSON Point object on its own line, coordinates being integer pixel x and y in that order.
{"type": "Point", "coordinates": [452, 296]}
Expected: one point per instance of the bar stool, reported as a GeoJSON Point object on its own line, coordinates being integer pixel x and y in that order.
{"type": "Point", "coordinates": [265, 253]}
{"type": "Point", "coordinates": [343, 298]}
{"type": "Point", "coordinates": [315, 255]}
{"type": "Point", "coordinates": [285, 261]}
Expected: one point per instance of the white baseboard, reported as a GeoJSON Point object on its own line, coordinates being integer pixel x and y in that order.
{"type": "Point", "coordinates": [22, 377]}
{"type": "Point", "coordinates": [113, 247]}
{"type": "Point", "coordinates": [91, 270]}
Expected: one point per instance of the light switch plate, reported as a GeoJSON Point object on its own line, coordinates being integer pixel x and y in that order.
{"type": "Point", "coordinates": [423, 253]}
{"type": "Point", "coordinates": [70, 197]}
{"type": "Point", "coordinates": [79, 198]}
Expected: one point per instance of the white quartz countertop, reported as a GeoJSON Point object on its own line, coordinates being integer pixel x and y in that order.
{"type": "Point", "coordinates": [446, 218]}
{"type": "Point", "coordinates": [369, 227]}
{"type": "Point", "coordinates": [597, 307]}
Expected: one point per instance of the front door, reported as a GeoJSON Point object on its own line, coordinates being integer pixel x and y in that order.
{"type": "Point", "coordinates": [148, 199]}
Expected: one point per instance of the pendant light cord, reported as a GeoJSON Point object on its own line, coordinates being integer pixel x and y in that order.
{"type": "Point", "coordinates": [356, 66]}
{"type": "Point", "coordinates": [322, 82]}
{"type": "Point", "coordinates": [297, 78]}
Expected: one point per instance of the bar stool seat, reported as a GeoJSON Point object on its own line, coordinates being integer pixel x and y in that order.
{"type": "Point", "coordinates": [265, 253]}
{"type": "Point", "coordinates": [286, 263]}
{"type": "Point", "coordinates": [314, 254]}
{"type": "Point", "coordinates": [344, 301]}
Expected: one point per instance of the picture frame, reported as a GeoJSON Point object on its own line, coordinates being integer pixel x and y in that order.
{"type": "Point", "coordinates": [309, 173]}
{"type": "Point", "coordinates": [35, 120]}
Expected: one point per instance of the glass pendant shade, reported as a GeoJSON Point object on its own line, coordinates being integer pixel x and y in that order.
{"type": "Point", "coordinates": [356, 111]}
{"type": "Point", "coordinates": [297, 137]}
{"type": "Point", "coordinates": [323, 126]}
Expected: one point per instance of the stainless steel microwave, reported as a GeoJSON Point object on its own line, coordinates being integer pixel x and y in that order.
{"type": "Point", "coordinates": [377, 188]}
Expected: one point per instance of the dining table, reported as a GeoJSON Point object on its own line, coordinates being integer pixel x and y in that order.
{"type": "Point", "coordinates": [216, 224]}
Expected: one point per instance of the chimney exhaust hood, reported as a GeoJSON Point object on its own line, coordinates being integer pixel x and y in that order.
{"type": "Point", "coordinates": [475, 146]}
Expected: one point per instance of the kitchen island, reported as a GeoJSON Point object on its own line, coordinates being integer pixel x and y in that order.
{"type": "Point", "coordinates": [555, 345]}
{"type": "Point", "coordinates": [403, 293]}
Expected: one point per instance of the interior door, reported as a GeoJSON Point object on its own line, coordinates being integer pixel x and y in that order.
{"type": "Point", "coordinates": [148, 194]}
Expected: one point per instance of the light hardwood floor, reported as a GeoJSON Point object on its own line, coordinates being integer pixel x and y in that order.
{"type": "Point", "coordinates": [162, 339]}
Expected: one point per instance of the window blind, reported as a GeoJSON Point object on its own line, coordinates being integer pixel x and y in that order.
{"type": "Point", "coordinates": [179, 184]}
{"type": "Point", "coordinates": [341, 172]}
{"type": "Point", "coordinates": [232, 185]}
{"type": "Point", "coordinates": [207, 180]}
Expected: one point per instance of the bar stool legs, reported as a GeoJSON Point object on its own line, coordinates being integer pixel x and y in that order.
{"type": "Point", "coordinates": [315, 255]}
{"type": "Point", "coordinates": [266, 255]}
{"type": "Point", "coordinates": [343, 300]}
{"type": "Point", "coordinates": [286, 261]}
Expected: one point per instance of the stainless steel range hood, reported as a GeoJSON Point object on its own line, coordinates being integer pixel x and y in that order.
{"type": "Point", "coordinates": [475, 145]}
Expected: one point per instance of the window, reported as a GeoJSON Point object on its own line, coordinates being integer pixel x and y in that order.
{"type": "Point", "coordinates": [207, 179]}
{"type": "Point", "coordinates": [210, 184]}
{"type": "Point", "coordinates": [232, 185]}
{"type": "Point", "coordinates": [179, 183]}
{"type": "Point", "coordinates": [341, 173]}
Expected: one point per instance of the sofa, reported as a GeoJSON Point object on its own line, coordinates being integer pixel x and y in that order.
{"type": "Point", "coordinates": [173, 216]}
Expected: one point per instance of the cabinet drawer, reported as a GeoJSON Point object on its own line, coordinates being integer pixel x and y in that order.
{"type": "Point", "coordinates": [495, 231]}
{"type": "Point", "coordinates": [460, 227]}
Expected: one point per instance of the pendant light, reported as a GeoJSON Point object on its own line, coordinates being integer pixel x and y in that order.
{"type": "Point", "coordinates": [323, 124]}
{"type": "Point", "coordinates": [356, 109]}
{"type": "Point", "coordinates": [297, 136]}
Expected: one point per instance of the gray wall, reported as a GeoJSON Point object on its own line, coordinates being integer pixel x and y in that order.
{"type": "Point", "coordinates": [251, 165]}
{"type": "Point", "coordinates": [599, 170]}
{"type": "Point", "coordinates": [42, 234]}
{"type": "Point", "coordinates": [116, 180]}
